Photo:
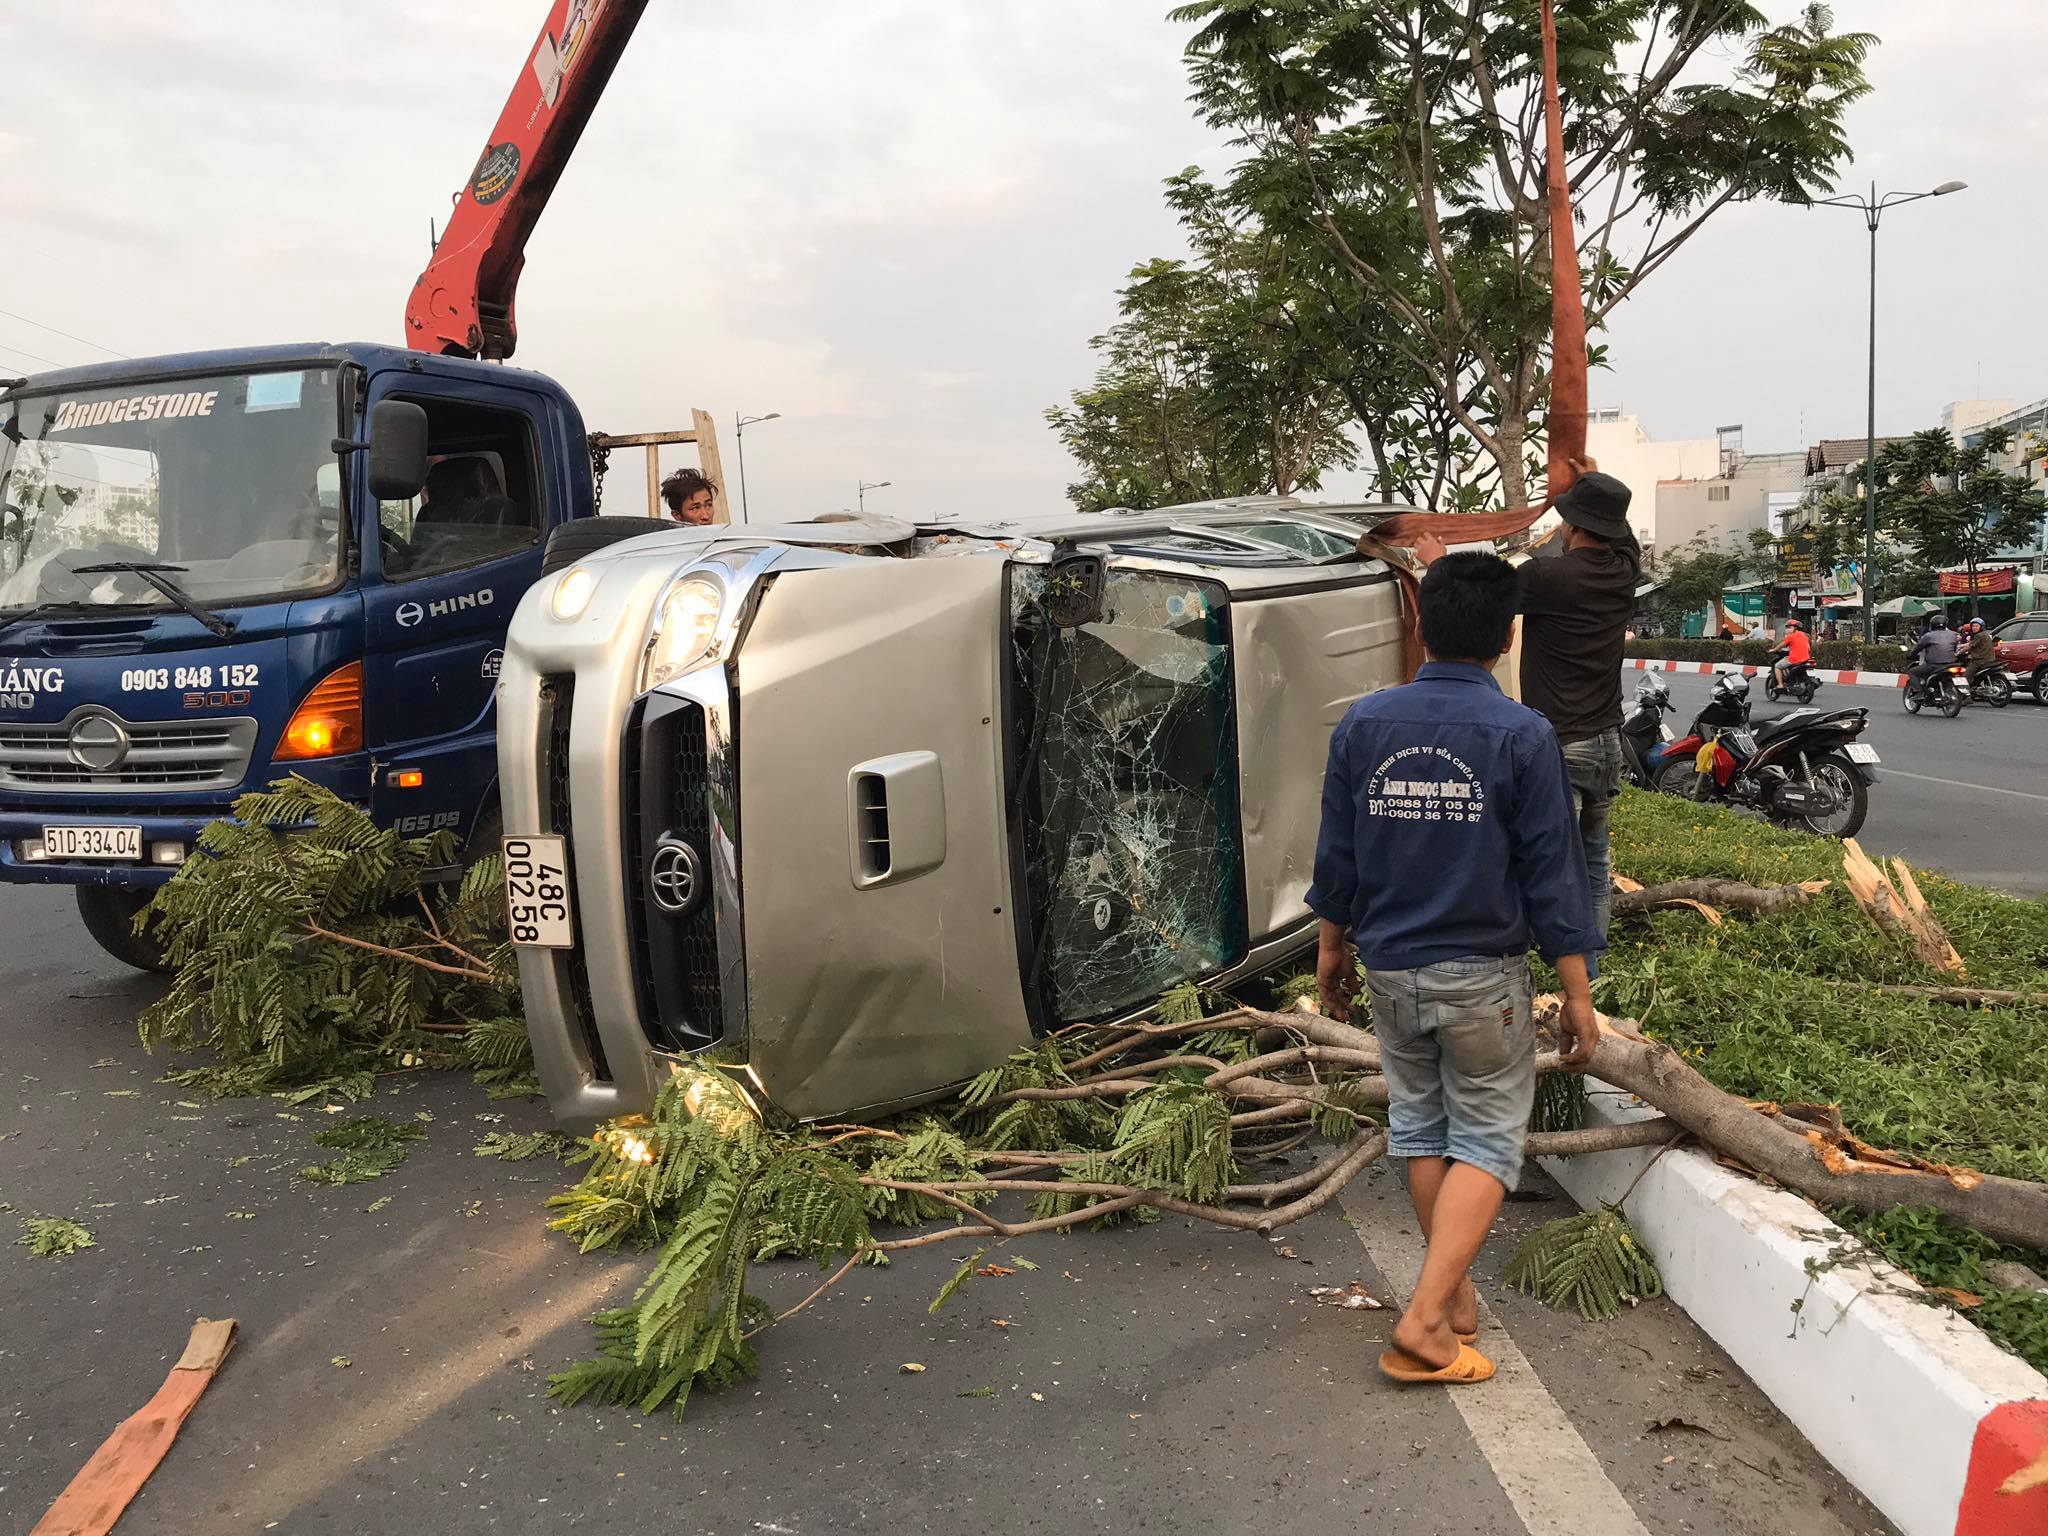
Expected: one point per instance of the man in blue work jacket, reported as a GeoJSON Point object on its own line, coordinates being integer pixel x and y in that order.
{"type": "Point", "coordinates": [1449, 845]}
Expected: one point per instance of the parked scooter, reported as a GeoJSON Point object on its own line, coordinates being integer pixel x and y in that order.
{"type": "Point", "coordinates": [1804, 769]}
{"type": "Point", "coordinates": [1644, 731]}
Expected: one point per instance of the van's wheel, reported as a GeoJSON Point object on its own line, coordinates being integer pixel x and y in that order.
{"type": "Point", "coordinates": [582, 536]}
{"type": "Point", "coordinates": [108, 913]}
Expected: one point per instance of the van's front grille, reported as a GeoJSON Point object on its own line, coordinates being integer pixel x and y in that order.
{"type": "Point", "coordinates": [95, 751]}
{"type": "Point", "coordinates": [671, 903]}
{"type": "Point", "coordinates": [558, 696]}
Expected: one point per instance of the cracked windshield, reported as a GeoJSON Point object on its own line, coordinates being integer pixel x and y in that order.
{"type": "Point", "coordinates": [226, 485]}
{"type": "Point", "coordinates": [1129, 772]}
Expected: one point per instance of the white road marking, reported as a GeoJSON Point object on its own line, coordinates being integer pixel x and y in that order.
{"type": "Point", "coordinates": [1543, 1465]}
{"type": "Point", "coordinates": [1886, 770]}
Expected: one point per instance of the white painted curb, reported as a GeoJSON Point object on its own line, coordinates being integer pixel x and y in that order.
{"type": "Point", "coordinates": [1924, 1414]}
{"type": "Point", "coordinates": [1714, 668]}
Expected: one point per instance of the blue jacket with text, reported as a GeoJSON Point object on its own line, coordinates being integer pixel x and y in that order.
{"type": "Point", "coordinates": [1448, 828]}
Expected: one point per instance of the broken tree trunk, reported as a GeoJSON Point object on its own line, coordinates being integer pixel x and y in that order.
{"type": "Point", "coordinates": [1898, 911]}
{"type": "Point", "coordinates": [1829, 1170]}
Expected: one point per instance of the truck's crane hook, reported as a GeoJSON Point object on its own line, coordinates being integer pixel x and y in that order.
{"type": "Point", "coordinates": [462, 302]}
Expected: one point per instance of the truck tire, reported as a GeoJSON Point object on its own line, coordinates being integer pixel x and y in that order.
{"type": "Point", "coordinates": [587, 535]}
{"type": "Point", "coordinates": [108, 913]}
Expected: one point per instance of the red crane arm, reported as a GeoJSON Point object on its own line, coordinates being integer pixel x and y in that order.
{"type": "Point", "coordinates": [462, 303]}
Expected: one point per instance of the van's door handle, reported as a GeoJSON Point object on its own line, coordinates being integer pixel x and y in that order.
{"type": "Point", "coordinates": [895, 818]}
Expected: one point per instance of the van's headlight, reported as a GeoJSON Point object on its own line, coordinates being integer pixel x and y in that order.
{"type": "Point", "coordinates": [573, 593]}
{"type": "Point", "coordinates": [686, 622]}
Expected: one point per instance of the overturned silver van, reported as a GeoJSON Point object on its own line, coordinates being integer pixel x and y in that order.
{"type": "Point", "coordinates": [873, 804]}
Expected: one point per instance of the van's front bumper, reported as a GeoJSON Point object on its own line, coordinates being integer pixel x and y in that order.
{"type": "Point", "coordinates": [583, 756]}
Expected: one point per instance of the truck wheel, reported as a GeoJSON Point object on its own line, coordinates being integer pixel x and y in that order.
{"type": "Point", "coordinates": [108, 913]}
{"type": "Point", "coordinates": [587, 535]}
{"type": "Point", "coordinates": [486, 837]}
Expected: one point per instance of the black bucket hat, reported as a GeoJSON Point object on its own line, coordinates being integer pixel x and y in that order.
{"type": "Point", "coordinates": [1597, 503]}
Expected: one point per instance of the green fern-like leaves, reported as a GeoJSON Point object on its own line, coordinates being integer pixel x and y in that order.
{"type": "Point", "coordinates": [1592, 1263]}
{"type": "Point", "coordinates": [1560, 1102]}
{"type": "Point", "coordinates": [729, 1191]}
{"type": "Point", "coordinates": [292, 932]}
{"type": "Point", "coordinates": [1176, 1136]}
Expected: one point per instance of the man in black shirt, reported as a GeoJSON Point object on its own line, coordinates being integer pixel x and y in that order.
{"type": "Point", "coordinates": [1577, 605]}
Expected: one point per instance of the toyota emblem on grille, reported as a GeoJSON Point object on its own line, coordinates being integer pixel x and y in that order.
{"type": "Point", "coordinates": [675, 877]}
{"type": "Point", "coordinates": [98, 743]}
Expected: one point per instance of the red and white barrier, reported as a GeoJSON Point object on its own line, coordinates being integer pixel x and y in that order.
{"type": "Point", "coordinates": [1712, 668]}
{"type": "Point", "coordinates": [1941, 1429]}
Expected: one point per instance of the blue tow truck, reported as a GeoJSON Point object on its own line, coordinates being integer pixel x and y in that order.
{"type": "Point", "coordinates": [222, 567]}
{"type": "Point", "coordinates": [217, 568]}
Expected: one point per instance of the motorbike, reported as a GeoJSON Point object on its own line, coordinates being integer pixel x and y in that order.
{"type": "Point", "coordinates": [1800, 683]}
{"type": "Point", "coordinates": [1946, 690]}
{"type": "Point", "coordinates": [1644, 731]}
{"type": "Point", "coordinates": [1991, 686]}
{"type": "Point", "coordinates": [1804, 769]}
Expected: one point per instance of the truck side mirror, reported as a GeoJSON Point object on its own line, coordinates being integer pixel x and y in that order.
{"type": "Point", "coordinates": [398, 450]}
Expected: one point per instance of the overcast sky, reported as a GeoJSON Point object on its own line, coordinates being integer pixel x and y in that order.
{"type": "Point", "coordinates": [896, 222]}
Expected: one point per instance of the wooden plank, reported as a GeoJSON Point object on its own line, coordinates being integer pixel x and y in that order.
{"type": "Point", "coordinates": [654, 507]}
{"type": "Point", "coordinates": [642, 439]}
{"type": "Point", "coordinates": [706, 437]}
{"type": "Point", "coordinates": [106, 1484]}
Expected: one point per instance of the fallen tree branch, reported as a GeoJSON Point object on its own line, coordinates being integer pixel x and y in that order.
{"type": "Point", "coordinates": [1737, 895]}
{"type": "Point", "coordinates": [1971, 997]}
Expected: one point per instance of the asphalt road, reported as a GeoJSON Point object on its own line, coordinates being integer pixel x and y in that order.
{"type": "Point", "coordinates": [1165, 1379]}
{"type": "Point", "coordinates": [1966, 796]}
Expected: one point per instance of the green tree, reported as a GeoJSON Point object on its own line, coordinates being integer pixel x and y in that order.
{"type": "Point", "coordinates": [1947, 505]}
{"type": "Point", "coordinates": [1211, 383]}
{"type": "Point", "coordinates": [1694, 575]}
{"type": "Point", "coordinates": [1408, 139]}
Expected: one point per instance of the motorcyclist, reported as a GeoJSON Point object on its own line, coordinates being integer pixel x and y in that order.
{"type": "Point", "coordinates": [1982, 654]}
{"type": "Point", "coordinates": [1934, 652]}
{"type": "Point", "coordinates": [1796, 651]}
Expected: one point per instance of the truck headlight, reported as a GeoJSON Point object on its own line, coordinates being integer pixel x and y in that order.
{"type": "Point", "coordinates": [573, 593]}
{"type": "Point", "coordinates": [685, 624]}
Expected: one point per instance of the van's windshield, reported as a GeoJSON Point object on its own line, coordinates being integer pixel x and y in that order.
{"type": "Point", "coordinates": [227, 486]}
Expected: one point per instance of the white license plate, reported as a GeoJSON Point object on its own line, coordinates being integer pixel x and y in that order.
{"type": "Point", "coordinates": [92, 842]}
{"type": "Point", "coordinates": [1859, 753]}
{"type": "Point", "coordinates": [537, 892]}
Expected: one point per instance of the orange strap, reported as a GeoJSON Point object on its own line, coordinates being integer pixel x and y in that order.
{"type": "Point", "coordinates": [95, 1498]}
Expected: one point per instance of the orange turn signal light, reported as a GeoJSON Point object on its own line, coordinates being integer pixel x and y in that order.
{"type": "Point", "coordinates": [330, 721]}
{"type": "Point", "coordinates": [406, 778]}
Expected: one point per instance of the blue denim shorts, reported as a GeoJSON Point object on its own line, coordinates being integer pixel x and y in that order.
{"type": "Point", "coordinates": [1458, 1046]}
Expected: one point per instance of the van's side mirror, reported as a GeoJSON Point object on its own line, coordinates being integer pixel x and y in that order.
{"type": "Point", "coordinates": [398, 450]}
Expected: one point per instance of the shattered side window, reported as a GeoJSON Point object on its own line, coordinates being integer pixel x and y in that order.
{"type": "Point", "coordinates": [1124, 740]}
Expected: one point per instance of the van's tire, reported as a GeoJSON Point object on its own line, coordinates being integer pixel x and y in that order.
{"type": "Point", "coordinates": [587, 535]}
{"type": "Point", "coordinates": [108, 913]}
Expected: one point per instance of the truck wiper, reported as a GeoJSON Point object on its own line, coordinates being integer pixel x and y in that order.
{"type": "Point", "coordinates": [153, 573]}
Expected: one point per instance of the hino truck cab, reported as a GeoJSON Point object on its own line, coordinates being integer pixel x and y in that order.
{"type": "Point", "coordinates": [220, 568]}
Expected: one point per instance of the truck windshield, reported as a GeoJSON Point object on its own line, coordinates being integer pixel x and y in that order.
{"type": "Point", "coordinates": [227, 485]}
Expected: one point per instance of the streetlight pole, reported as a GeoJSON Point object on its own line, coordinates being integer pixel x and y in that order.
{"type": "Point", "coordinates": [1872, 208]}
{"type": "Point", "coordinates": [865, 487]}
{"type": "Point", "coordinates": [739, 431]}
